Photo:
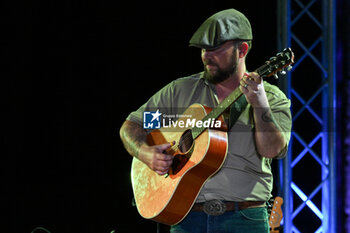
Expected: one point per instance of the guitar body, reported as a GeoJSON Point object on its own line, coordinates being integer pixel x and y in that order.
{"type": "Point", "coordinates": [168, 199]}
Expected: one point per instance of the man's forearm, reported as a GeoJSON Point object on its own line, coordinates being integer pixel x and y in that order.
{"type": "Point", "coordinates": [268, 135]}
{"type": "Point", "coordinates": [133, 137]}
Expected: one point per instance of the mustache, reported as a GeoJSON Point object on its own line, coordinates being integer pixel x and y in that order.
{"type": "Point", "coordinates": [209, 62]}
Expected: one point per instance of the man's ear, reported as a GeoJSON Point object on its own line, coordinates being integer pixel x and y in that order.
{"type": "Point", "coordinates": [243, 49]}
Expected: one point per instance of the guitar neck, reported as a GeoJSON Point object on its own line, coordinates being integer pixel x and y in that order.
{"type": "Point", "coordinates": [218, 110]}
{"type": "Point", "coordinates": [225, 104]}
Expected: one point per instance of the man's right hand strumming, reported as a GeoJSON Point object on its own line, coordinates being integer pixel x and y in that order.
{"type": "Point", "coordinates": [134, 140]}
{"type": "Point", "coordinates": [155, 158]}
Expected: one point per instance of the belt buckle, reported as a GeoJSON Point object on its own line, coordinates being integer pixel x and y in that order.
{"type": "Point", "coordinates": [214, 207]}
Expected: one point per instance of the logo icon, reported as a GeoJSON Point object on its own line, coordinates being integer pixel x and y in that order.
{"type": "Point", "coordinates": [151, 120]}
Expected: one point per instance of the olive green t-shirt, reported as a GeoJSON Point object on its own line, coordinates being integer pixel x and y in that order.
{"type": "Point", "coordinates": [245, 175]}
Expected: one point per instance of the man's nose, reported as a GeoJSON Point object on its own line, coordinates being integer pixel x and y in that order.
{"type": "Point", "coordinates": [206, 54]}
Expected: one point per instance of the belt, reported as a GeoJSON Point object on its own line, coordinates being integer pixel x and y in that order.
{"type": "Point", "coordinates": [218, 207]}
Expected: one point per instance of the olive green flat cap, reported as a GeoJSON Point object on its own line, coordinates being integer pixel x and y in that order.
{"type": "Point", "coordinates": [223, 26]}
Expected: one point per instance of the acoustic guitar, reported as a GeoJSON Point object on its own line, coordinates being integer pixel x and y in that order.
{"type": "Point", "coordinates": [198, 151]}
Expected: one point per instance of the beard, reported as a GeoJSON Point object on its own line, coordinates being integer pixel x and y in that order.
{"type": "Point", "coordinates": [221, 74]}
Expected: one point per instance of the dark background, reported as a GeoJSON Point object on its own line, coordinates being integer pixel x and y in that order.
{"type": "Point", "coordinates": [71, 73]}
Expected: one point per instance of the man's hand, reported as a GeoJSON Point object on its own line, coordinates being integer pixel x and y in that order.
{"type": "Point", "coordinates": [156, 158]}
{"type": "Point", "coordinates": [252, 87]}
{"type": "Point", "coordinates": [134, 137]}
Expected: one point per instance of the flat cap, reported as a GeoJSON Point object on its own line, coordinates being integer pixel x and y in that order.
{"type": "Point", "coordinates": [223, 26]}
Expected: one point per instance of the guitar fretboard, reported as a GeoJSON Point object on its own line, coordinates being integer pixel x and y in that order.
{"type": "Point", "coordinates": [218, 111]}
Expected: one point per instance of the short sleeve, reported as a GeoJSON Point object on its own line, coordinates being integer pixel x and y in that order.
{"type": "Point", "coordinates": [162, 100]}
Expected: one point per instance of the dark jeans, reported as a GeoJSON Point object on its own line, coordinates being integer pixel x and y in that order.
{"type": "Point", "coordinates": [251, 220]}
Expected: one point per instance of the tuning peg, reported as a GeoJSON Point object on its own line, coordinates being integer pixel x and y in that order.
{"type": "Point", "coordinates": [275, 76]}
{"type": "Point", "coordinates": [289, 68]}
{"type": "Point", "coordinates": [283, 72]}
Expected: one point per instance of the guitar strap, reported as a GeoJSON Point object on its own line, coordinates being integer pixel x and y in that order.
{"type": "Point", "coordinates": [236, 109]}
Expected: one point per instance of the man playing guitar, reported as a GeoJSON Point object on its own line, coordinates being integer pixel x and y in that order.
{"type": "Point", "coordinates": [233, 198]}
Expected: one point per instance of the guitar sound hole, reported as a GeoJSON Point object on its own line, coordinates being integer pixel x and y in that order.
{"type": "Point", "coordinates": [186, 141]}
{"type": "Point", "coordinates": [185, 147]}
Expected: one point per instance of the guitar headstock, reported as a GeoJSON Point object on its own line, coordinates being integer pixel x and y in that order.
{"type": "Point", "coordinates": [276, 214]}
{"type": "Point", "coordinates": [277, 63]}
